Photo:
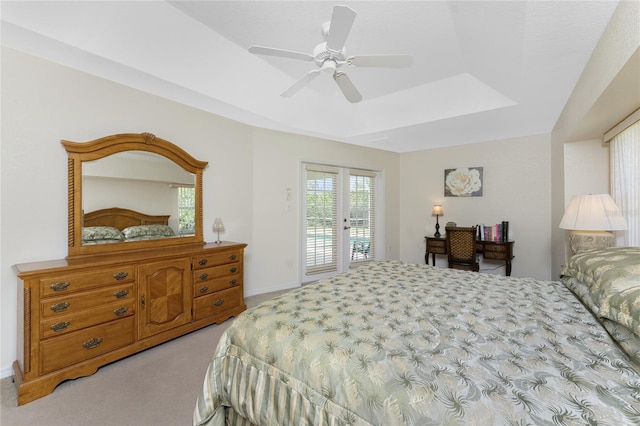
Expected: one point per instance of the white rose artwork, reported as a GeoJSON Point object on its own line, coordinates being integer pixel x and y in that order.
{"type": "Point", "coordinates": [463, 182]}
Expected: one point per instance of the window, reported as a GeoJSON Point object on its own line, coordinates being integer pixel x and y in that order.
{"type": "Point", "coordinates": [625, 179]}
{"type": "Point", "coordinates": [321, 219]}
{"type": "Point", "coordinates": [362, 214]}
{"type": "Point", "coordinates": [186, 210]}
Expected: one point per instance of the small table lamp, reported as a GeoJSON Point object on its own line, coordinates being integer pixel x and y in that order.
{"type": "Point", "coordinates": [437, 211]}
{"type": "Point", "coordinates": [218, 226]}
{"type": "Point", "coordinates": [589, 217]}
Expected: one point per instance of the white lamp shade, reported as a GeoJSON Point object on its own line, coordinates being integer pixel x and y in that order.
{"type": "Point", "coordinates": [218, 225]}
{"type": "Point", "coordinates": [593, 213]}
{"type": "Point", "coordinates": [437, 210]}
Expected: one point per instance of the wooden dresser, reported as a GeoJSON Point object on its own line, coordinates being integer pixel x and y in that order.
{"type": "Point", "coordinates": [79, 314]}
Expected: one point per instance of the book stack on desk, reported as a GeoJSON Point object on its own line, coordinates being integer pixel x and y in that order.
{"type": "Point", "coordinates": [497, 232]}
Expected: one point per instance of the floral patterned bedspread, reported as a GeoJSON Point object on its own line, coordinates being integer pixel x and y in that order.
{"type": "Point", "coordinates": [394, 343]}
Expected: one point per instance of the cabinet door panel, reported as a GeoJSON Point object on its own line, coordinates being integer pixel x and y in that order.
{"type": "Point", "coordinates": [165, 296]}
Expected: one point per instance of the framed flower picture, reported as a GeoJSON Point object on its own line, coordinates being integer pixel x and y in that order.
{"type": "Point", "coordinates": [463, 182]}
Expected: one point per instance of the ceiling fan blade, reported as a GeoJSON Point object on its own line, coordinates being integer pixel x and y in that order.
{"type": "Point", "coordinates": [261, 50]}
{"type": "Point", "coordinates": [327, 67]}
{"type": "Point", "coordinates": [346, 86]}
{"type": "Point", "coordinates": [306, 79]}
{"type": "Point", "coordinates": [340, 26]}
{"type": "Point", "coordinates": [388, 61]}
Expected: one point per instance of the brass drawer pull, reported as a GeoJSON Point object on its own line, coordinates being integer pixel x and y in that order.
{"type": "Point", "coordinates": [93, 343]}
{"type": "Point", "coordinates": [60, 286]}
{"type": "Point", "coordinates": [233, 257]}
{"type": "Point", "coordinates": [60, 326]}
{"type": "Point", "coordinates": [204, 276]}
{"type": "Point", "coordinates": [204, 289]}
{"type": "Point", "coordinates": [233, 269]}
{"type": "Point", "coordinates": [219, 302]}
{"type": "Point", "coordinates": [120, 294]}
{"type": "Point", "coordinates": [60, 307]}
{"type": "Point", "coordinates": [121, 311]}
{"type": "Point", "coordinates": [233, 282]}
{"type": "Point", "coordinates": [120, 275]}
{"type": "Point", "coordinates": [202, 262]}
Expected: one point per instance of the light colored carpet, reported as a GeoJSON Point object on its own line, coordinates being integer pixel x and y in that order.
{"type": "Point", "coordinates": [156, 387]}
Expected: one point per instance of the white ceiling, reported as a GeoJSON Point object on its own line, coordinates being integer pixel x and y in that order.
{"type": "Point", "coordinates": [482, 70]}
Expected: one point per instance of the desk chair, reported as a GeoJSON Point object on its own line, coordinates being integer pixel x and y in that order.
{"type": "Point", "coordinates": [461, 248]}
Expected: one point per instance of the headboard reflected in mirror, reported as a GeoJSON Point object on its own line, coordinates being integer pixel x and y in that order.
{"type": "Point", "coordinates": [154, 223]}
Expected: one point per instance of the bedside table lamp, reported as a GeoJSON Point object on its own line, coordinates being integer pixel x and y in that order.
{"type": "Point", "coordinates": [589, 217]}
{"type": "Point", "coordinates": [437, 211]}
{"type": "Point", "coordinates": [218, 227]}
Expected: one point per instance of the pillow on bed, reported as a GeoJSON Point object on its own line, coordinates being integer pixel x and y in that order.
{"type": "Point", "coordinates": [147, 232]}
{"type": "Point", "coordinates": [101, 235]}
{"type": "Point", "coordinates": [611, 284]}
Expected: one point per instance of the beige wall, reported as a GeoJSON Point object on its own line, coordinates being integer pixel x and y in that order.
{"type": "Point", "coordinates": [277, 159]}
{"type": "Point", "coordinates": [586, 168]}
{"type": "Point", "coordinates": [516, 189]}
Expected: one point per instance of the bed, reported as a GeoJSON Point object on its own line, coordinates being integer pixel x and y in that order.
{"type": "Point", "coordinates": [394, 343]}
{"type": "Point", "coordinates": [115, 225]}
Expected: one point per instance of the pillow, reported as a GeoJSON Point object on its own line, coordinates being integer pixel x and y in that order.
{"type": "Point", "coordinates": [147, 232]}
{"type": "Point", "coordinates": [101, 234]}
{"type": "Point", "coordinates": [609, 284]}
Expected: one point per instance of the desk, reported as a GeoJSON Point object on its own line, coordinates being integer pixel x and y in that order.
{"type": "Point", "coordinates": [498, 250]}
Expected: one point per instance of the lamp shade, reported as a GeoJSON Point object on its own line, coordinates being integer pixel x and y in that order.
{"type": "Point", "coordinates": [437, 210]}
{"type": "Point", "coordinates": [593, 213]}
{"type": "Point", "coordinates": [218, 225]}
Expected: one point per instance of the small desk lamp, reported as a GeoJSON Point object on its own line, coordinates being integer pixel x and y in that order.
{"type": "Point", "coordinates": [589, 217]}
{"type": "Point", "coordinates": [218, 226]}
{"type": "Point", "coordinates": [437, 211]}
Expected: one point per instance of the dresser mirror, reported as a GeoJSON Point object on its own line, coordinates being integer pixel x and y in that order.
{"type": "Point", "coordinates": [131, 192]}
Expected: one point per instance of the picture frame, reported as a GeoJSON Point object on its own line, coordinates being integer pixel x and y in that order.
{"type": "Point", "coordinates": [464, 182]}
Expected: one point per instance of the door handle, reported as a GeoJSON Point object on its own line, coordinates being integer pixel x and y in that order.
{"type": "Point", "coordinates": [347, 227]}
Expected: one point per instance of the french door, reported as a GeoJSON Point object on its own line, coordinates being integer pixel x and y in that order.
{"type": "Point", "coordinates": [339, 219]}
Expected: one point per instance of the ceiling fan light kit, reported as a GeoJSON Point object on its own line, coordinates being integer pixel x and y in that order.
{"type": "Point", "coordinates": [331, 55]}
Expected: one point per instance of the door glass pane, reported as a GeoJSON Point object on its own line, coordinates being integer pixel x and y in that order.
{"type": "Point", "coordinates": [321, 222]}
{"type": "Point", "coordinates": [362, 216]}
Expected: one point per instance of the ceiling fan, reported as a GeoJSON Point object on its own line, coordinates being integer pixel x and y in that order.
{"type": "Point", "coordinates": [330, 55]}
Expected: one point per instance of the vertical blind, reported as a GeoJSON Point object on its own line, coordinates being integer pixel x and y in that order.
{"type": "Point", "coordinates": [625, 179]}
{"type": "Point", "coordinates": [321, 219]}
{"type": "Point", "coordinates": [362, 206]}
{"type": "Point", "coordinates": [186, 210]}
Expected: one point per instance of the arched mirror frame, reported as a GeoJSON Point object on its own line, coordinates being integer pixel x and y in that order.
{"type": "Point", "coordinates": [79, 152]}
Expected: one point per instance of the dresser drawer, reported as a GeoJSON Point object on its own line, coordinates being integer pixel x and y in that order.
{"type": "Point", "coordinates": [500, 255]}
{"type": "Point", "coordinates": [74, 303]}
{"type": "Point", "coordinates": [76, 282]}
{"type": "Point", "coordinates": [501, 251]}
{"type": "Point", "coordinates": [215, 303]}
{"type": "Point", "coordinates": [499, 248]}
{"type": "Point", "coordinates": [208, 274]}
{"type": "Point", "coordinates": [437, 245]}
{"type": "Point", "coordinates": [495, 255]}
{"type": "Point", "coordinates": [216, 259]}
{"type": "Point", "coordinates": [85, 344]}
{"type": "Point", "coordinates": [65, 324]}
{"type": "Point", "coordinates": [201, 288]}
